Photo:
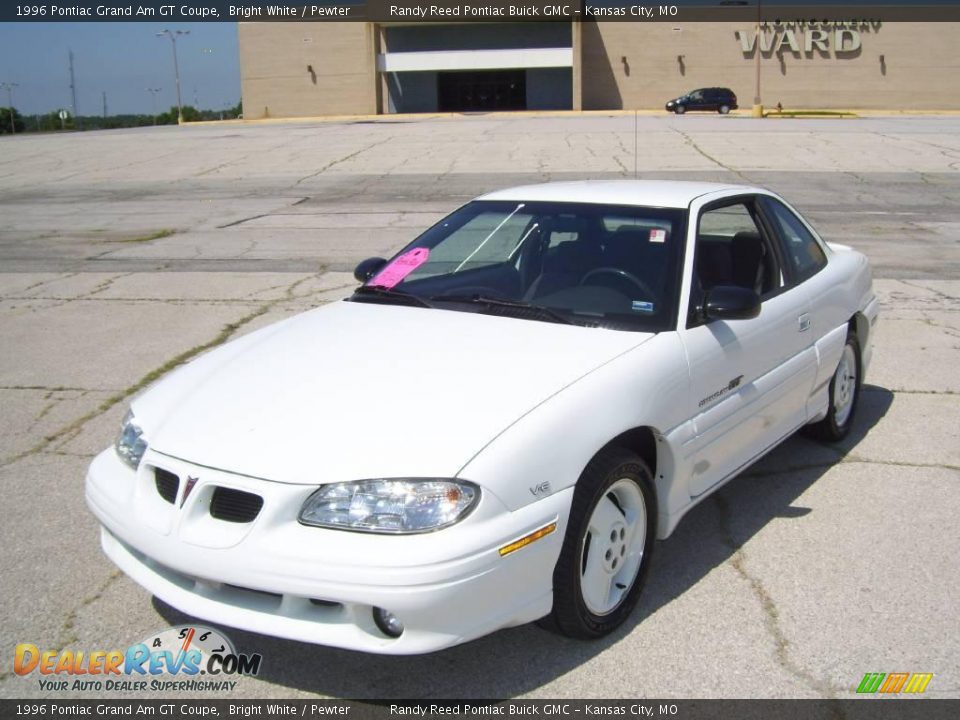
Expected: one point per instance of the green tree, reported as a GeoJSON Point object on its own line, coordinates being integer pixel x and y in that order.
{"type": "Point", "coordinates": [5, 128]}
{"type": "Point", "coordinates": [51, 122]}
{"type": "Point", "coordinates": [191, 114]}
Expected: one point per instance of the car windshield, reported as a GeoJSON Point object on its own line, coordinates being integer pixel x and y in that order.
{"type": "Point", "coordinates": [589, 264]}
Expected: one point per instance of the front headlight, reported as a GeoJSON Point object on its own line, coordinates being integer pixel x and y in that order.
{"type": "Point", "coordinates": [130, 444]}
{"type": "Point", "coordinates": [390, 506]}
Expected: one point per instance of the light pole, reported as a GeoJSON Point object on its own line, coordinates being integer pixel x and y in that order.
{"type": "Point", "coordinates": [757, 102]}
{"type": "Point", "coordinates": [9, 88]}
{"type": "Point", "coordinates": [176, 68]}
{"type": "Point", "coordinates": [204, 52]}
{"type": "Point", "coordinates": [153, 92]}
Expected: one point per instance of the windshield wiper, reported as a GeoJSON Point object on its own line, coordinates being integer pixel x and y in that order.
{"type": "Point", "coordinates": [398, 296]}
{"type": "Point", "coordinates": [510, 308]}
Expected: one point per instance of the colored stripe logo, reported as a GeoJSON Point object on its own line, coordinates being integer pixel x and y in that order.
{"type": "Point", "coordinates": [894, 683]}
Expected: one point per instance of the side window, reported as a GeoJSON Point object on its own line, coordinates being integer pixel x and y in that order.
{"type": "Point", "coordinates": [800, 248]}
{"type": "Point", "coordinates": [733, 249]}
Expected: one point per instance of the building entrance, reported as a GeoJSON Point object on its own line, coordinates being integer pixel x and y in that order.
{"type": "Point", "coordinates": [470, 90]}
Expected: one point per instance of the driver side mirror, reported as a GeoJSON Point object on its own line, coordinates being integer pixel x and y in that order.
{"type": "Point", "coordinates": [731, 302]}
{"type": "Point", "coordinates": [368, 268]}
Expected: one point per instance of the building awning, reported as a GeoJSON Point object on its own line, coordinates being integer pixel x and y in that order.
{"type": "Point", "coordinates": [475, 59]}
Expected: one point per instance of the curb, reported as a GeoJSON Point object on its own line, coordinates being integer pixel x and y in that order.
{"type": "Point", "coordinates": [795, 114]}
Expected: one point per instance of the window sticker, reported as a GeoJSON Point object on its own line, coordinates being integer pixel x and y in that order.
{"type": "Point", "coordinates": [641, 306]}
{"type": "Point", "coordinates": [658, 236]}
{"type": "Point", "coordinates": [395, 272]}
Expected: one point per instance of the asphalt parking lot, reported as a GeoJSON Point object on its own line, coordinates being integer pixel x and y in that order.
{"type": "Point", "coordinates": [123, 253]}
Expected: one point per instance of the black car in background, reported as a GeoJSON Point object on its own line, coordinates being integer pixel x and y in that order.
{"type": "Point", "coordinates": [721, 100]}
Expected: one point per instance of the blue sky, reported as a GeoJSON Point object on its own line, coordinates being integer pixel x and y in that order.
{"type": "Point", "coordinates": [121, 59]}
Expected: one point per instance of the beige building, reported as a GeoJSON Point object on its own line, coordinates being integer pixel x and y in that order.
{"type": "Point", "coordinates": [349, 68]}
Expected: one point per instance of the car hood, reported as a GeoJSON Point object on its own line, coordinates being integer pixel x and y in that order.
{"type": "Point", "coordinates": [363, 390]}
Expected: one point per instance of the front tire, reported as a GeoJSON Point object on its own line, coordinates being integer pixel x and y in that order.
{"type": "Point", "coordinates": [844, 395]}
{"type": "Point", "coordinates": [680, 110]}
{"type": "Point", "coordinates": [606, 552]}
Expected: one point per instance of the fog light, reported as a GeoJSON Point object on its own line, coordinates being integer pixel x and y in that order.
{"type": "Point", "coordinates": [388, 623]}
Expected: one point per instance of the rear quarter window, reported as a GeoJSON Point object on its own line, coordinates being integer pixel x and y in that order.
{"type": "Point", "coordinates": [801, 250]}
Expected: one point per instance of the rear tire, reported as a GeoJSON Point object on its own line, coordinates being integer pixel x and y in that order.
{"type": "Point", "coordinates": [724, 109]}
{"type": "Point", "coordinates": [606, 552]}
{"type": "Point", "coordinates": [844, 395]}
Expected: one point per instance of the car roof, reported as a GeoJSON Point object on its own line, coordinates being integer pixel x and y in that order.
{"type": "Point", "coordinates": [643, 193]}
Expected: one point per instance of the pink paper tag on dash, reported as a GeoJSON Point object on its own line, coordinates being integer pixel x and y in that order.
{"type": "Point", "coordinates": [396, 271]}
{"type": "Point", "coordinates": [658, 236]}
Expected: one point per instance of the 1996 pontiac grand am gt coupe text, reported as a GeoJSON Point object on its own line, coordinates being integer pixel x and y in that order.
{"type": "Point", "coordinates": [497, 425]}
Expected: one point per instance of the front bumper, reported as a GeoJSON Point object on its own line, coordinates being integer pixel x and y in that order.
{"type": "Point", "coordinates": [278, 577]}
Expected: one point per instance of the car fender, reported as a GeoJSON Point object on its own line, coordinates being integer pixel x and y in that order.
{"type": "Point", "coordinates": [838, 294]}
{"type": "Point", "coordinates": [545, 451]}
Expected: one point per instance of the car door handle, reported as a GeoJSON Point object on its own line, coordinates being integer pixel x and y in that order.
{"type": "Point", "coordinates": [804, 321]}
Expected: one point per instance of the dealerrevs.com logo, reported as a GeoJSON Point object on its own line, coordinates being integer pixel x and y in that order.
{"type": "Point", "coordinates": [186, 657]}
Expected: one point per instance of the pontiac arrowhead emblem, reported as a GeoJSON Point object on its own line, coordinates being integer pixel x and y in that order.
{"type": "Point", "coordinates": [188, 488]}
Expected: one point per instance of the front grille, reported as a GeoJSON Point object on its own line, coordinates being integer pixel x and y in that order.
{"type": "Point", "coordinates": [260, 593]}
{"type": "Point", "coordinates": [235, 505]}
{"type": "Point", "coordinates": [167, 484]}
{"type": "Point", "coordinates": [325, 603]}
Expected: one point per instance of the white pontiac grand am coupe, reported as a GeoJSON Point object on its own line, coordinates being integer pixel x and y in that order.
{"type": "Point", "coordinates": [497, 425]}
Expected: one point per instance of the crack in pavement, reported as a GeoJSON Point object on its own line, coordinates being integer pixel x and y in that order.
{"type": "Point", "coordinates": [342, 160]}
{"type": "Point", "coordinates": [46, 282]}
{"type": "Point", "coordinates": [626, 152]}
{"type": "Point", "coordinates": [738, 562]}
{"type": "Point", "coordinates": [770, 611]}
{"type": "Point", "coordinates": [854, 459]}
{"type": "Point", "coordinates": [846, 460]}
{"type": "Point", "coordinates": [61, 301]}
{"type": "Point", "coordinates": [67, 635]}
{"type": "Point", "coordinates": [692, 143]}
{"type": "Point", "coordinates": [923, 392]}
{"type": "Point", "coordinates": [54, 400]}
{"type": "Point", "coordinates": [939, 293]}
{"type": "Point", "coordinates": [105, 285]}
{"type": "Point", "coordinates": [70, 431]}
{"type": "Point", "coordinates": [64, 453]}
{"type": "Point", "coordinates": [249, 300]}
{"type": "Point", "coordinates": [46, 388]}
{"type": "Point", "coordinates": [946, 329]}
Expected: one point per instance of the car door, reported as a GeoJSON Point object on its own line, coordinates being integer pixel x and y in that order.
{"type": "Point", "coordinates": [695, 100]}
{"type": "Point", "coordinates": [711, 99]}
{"type": "Point", "coordinates": [749, 379]}
{"type": "Point", "coordinates": [805, 258]}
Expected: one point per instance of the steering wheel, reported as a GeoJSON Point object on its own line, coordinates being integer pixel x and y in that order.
{"type": "Point", "coordinates": [645, 291]}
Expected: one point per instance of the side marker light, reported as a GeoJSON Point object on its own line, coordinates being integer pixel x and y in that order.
{"type": "Point", "coordinates": [528, 539]}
